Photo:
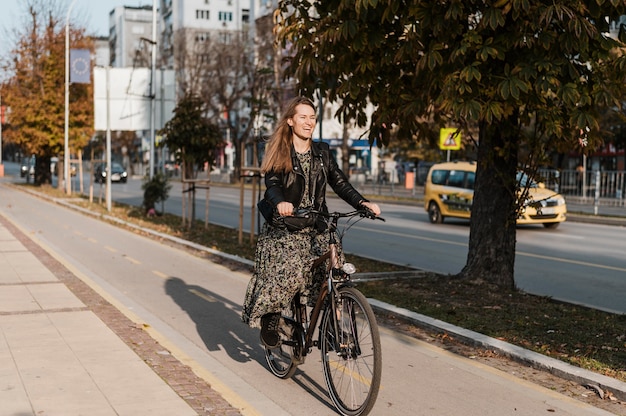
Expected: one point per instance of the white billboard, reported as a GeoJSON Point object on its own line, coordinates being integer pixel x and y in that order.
{"type": "Point", "coordinates": [129, 98]}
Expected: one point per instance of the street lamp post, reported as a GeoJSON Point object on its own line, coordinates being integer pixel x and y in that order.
{"type": "Point", "coordinates": [66, 151]}
{"type": "Point", "coordinates": [153, 89]}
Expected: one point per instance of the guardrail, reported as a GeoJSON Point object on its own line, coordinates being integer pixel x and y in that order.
{"type": "Point", "coordinates": [599, 187]}
{"type": "Point", "coordinates": [606, 188]}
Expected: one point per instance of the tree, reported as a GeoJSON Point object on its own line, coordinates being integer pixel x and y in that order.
{"type": "Point", "coordinates": [193, 139]}
{"type": "Point", "coordinates": [191, 136]}
{"type": "Point", "coordinates": [236, 85]}
{"type": "Point", "coordinates": [34, 90]}
{"type": "Point", "coordinates": [528, 74]}
{"type": "Point", "coordinates": [217, 67]}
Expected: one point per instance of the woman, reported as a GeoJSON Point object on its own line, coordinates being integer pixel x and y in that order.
{"type": "Point", "coordinates": [297, 171]}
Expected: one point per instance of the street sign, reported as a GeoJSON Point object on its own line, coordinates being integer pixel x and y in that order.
{"type": "Point", "coordinates": [450, 138]}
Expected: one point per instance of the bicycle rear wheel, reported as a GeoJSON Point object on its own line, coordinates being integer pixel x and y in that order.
{"type": "Point", "coordinates": [284, 359]}
{"type": "Point", "coordinates": [353, 371]}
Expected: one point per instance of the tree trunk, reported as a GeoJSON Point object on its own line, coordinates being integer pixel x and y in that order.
{"type": "Point", "coordinates": [345, 149]}
{"type": "Point", "coordinates": [491, 253]}
{"type": "Point", "coordinates": [43, 175]}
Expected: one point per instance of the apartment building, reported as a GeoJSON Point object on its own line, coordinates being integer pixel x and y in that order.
{"type": "Point", "coordinates": [130, 33]}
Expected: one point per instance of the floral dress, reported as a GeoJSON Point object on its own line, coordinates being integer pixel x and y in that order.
{"type": "Point", "coordinates": [283, 262]}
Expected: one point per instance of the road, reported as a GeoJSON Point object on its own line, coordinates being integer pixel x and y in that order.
{"type": "Point", "coordinates": [577, 262]}
{"type": "Point", "coordinates": [194, 305]}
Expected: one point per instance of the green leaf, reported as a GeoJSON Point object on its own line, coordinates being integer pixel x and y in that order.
{"type": "Point", "coordinates": [470, 73]}
{"type": "Point", "coordinates": [569, 94]}
{"type": "Point", "coordinates": [434, 59]}
{"type": "Point", "coordinates": [486, 52]}
{"type": "Point", "coordinates": [492, 111]}
{"type": "Point", "coordinates": [493, 17]}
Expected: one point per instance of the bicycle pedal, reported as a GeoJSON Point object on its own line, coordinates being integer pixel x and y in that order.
{"type": "Point", "coordinates": [287, 326]}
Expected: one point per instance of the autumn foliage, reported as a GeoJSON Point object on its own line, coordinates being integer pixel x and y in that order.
{"type": "Point", "coordinates": [35, 91]}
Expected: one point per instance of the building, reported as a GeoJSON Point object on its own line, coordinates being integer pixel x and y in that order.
{"type": "Point", "coordinates": [204, 41]}
{"type": "Point", "coordinates": [202, 17]}
{"type": "Point", "coordinates": [130, 33]}
{"type": "Point", "coordinates": [102, 51]}
{"type": "Point", "coordinates": [135, 86]}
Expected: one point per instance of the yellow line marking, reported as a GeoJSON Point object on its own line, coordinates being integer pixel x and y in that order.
{"type": "Point", "coordinates": [111, 249]}
{"type": "Point", "coordinates": [356, 376]}
{"type": "Point", "coordinates": [206, 297]}
{"type": "Point", "coordinates": [92, 240]}
{"type": "Point", "coordinates": [161, 275]}
{"type": "Point", "coordinates": [132, 260]}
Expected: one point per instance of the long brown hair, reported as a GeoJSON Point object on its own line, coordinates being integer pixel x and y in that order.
{"type": "Point", "coordinates": [278, 150]}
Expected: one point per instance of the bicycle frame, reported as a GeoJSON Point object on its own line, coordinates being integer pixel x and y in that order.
{"type": "Point", "coordinates": [327, 287]}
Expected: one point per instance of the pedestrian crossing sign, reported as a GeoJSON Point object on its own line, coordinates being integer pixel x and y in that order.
{"type": "Point", "coordinates": [450, 138]}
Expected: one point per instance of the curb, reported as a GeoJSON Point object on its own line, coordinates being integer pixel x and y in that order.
{"type": "Point", "coordinates": [176, 240]}
{"type": "Point", "coordinates": [596, 219]}
{"type": "Point", "coordinates": [535, 360]}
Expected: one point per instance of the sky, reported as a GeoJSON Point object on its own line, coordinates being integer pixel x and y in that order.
{"type": "Point", "coordinates": [94, 14]}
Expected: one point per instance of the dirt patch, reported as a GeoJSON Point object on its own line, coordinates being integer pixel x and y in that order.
{"type": "Point", "coordinates": [507, 365]}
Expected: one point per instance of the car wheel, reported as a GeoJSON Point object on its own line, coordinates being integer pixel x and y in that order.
{"type": "Point", "coordinates": [434, 213]}
{"type": "Point", "coordinates": [551, 225]}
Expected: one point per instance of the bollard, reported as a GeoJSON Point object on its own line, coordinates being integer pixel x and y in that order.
{"type": "Point", "coordinates": [596, 197]}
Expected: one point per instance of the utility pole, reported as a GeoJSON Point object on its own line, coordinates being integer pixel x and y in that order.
{"type": "Point", "coordinates": [66, 151]}
{"type": "Point", "coordinates": [153, 90]}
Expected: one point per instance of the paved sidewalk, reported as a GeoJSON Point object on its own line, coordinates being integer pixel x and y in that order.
{"type": "Point", "coordinates": [66, 351]}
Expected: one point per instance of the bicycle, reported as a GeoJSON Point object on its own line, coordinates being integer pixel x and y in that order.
{"type": "Point", "coordinates": [347, 333]}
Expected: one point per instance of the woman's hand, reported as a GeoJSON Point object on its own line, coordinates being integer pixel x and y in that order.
{"type": "Point", "coordinates": [372, 207]}
{"type": "Point", "coordinates": [285, 209]}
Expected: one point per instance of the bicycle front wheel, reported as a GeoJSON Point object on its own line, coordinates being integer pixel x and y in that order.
{"type": "Point", "coordinates": [352, 357]}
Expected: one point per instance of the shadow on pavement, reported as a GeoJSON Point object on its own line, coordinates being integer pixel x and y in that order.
{"type": "Point", "coordinates": [217, 321]}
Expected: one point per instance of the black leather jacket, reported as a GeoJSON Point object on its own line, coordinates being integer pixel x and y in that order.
{"type": "Point", "coordinates": [289, 187]}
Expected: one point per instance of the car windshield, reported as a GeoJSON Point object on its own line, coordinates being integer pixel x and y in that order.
{"type": "Point", "coordinates": [114, 166]}
{"type": "Point", "coordinates": [524, 181]}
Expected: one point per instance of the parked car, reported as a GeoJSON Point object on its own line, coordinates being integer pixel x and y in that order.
{"type": "Point", "coordinates": [169, 168]}
{"type": "Point", "coordinates": [449, 192]}
{"type": "Point", "coordinates": [54, 165]}
{"type": "Point", "coordinates": [28, 166]}
{"type": "Point", "coordinates": [118, 173]}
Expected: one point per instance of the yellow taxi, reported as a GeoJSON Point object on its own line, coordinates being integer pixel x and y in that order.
{"type": "Point", "coordinates": [449, 191]}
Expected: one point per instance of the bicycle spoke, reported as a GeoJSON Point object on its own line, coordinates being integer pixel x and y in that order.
{"type": "Point", "coordinates": [352, 366]}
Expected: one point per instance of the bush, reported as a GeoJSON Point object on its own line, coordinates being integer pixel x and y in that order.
{"type": "Point", "coordinates": [155, 190]}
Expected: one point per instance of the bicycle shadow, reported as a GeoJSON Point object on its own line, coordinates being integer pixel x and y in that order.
{"type": "Point", "coordinates": [313, 388]}
{"type": "Point", "coordinates": [216, 319]}
{"type": "Point", "coordinates": [218, 323]}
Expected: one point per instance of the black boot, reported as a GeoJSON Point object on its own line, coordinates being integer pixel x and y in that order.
{"type": "Point", "coordinates": [269, 330]}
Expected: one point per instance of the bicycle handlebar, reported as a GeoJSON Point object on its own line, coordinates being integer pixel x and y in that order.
{"type": "Point", "coordinates": [363, 212]}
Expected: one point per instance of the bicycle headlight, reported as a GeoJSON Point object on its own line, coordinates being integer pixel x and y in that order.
{"type": "Point", "coordinates": [348, 268]}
